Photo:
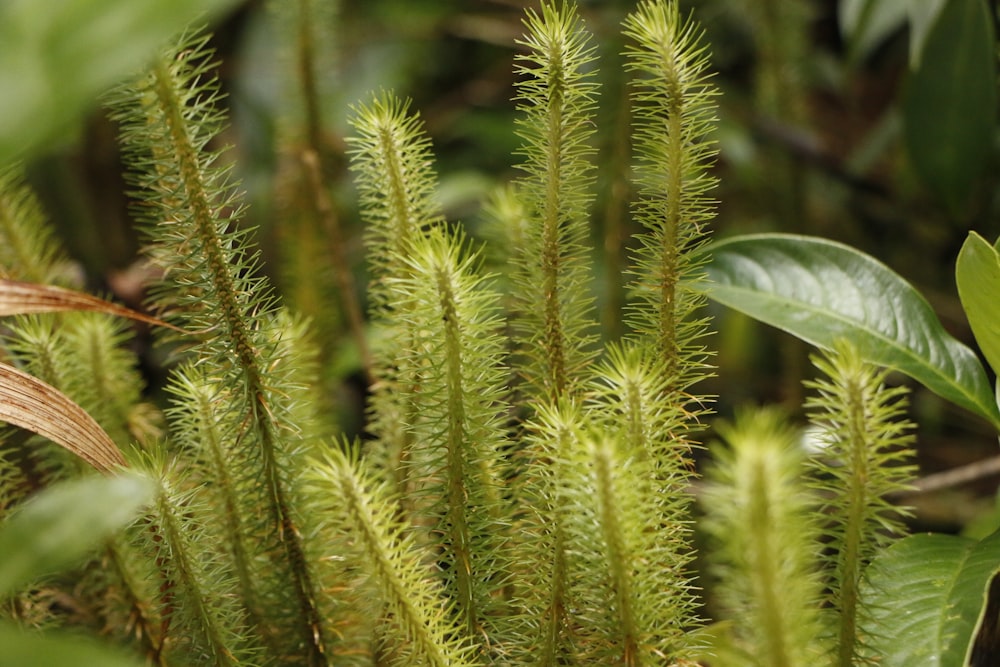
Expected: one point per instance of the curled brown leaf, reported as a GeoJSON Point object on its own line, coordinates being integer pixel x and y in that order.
{"type": "Point", "coordinates": [20, 298]}
{"type": "Point", "coordinates": [29, 403]}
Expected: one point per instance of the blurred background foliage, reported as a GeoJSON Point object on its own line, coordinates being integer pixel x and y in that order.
{"type": "Point", "coordinates": [830, 123]}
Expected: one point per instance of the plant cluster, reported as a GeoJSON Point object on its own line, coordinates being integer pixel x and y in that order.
{"type": "Point", "coordinates": [524, 493]}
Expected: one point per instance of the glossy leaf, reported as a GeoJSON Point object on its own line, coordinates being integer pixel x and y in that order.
{"type": "Point", "coordinates": [59, 526]}
{"type": "Point", "coordinates": [29, 403]}
{"type": "Point", "coordinates": [822, 291]}
{"type": "Point", "coordinates": [31, 649]}
{"type": "Point", "coordinates": [57, 58]}
{"type": "Point", "coordinates": [978, 277]}
{"type": "Point", "coordinates": [926, 595]}
{"type": "Point", "coordinates": [950, 101]}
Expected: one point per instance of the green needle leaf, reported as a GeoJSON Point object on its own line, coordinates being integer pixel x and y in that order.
{"type": "Point", "coordinates": [822, 291]}
{"type": "Point", "coordinates": [927, 594]}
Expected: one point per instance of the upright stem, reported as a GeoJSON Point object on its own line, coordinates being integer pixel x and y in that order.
{"type": "Point", "coordinates": [323, 208]}
{"type": "Point", "coordinates": [315, 163]}
{"type": "Point", "coordinates": [555, 614]}
{"type": "Point", "coordinates": [850, 560]}
{"type": "Point", "coordinates": [247, 355]}
{"type": "Point", "coordinates": [456, 446]}
{"type": "Point", "coordinates": [763, 563]}
{"type": "Point", "coordinates": [555, 353]}
{"type": "Point", "coordinates": [669, 252]}
{"type": "Point", "coordinates": [618, 557]}
{"type": "Point", "coordinates": [615, 209]}
{"type": "Point", "coordinates": [306, 65]}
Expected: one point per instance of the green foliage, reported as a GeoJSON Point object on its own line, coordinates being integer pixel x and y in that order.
{"type": "Point", "coordinates": [314, 266]}
{"type": "Point", "coordinates": [54, 61]}
{"type": "Point", "coordinates": [762, 521]}
{"type": "Point", "coordinates": [391, 157]}
{"type": "Point", "coordinates": [524, 494]}
{"type": "Point", "coordinates": [43, 536]}
{"type": "Point", "coordinates": [199, 593]}
{"type": "Point", "coordinates": [865, 23]}
{"type": "Point", "coordinates": [213, 289]}
{"type": "Point", "coordinates": [423, 632]}
{"type": "Point", "coordinates": [673, 112]}
{"type": "Point", "coordinates": [977, 276]}
{"type": "Point", "coordinates": [309, 51]}
{"type": "Point", "coordinates": [42, 650]}
{"type": "Point", "coordinates": [28, 250]}
{"type": "Point", "coordinates": [769, 507]}
{"type": "Point", "coordinates": [891, 325]}
{"type": "Point", "coordinates": [556, 96]}
{"type": "Point", "coordinates": [645, 432]}
{"type": "Point", "coordinates": [455, 466]}
{"type": "Point", "coordinates": [942, 581]}
{"type": "Point", "coordinates": [863, 457]}
{"type": "Point", "coordinates": [826, 293]}
{"type": "Point", "coordinates": [821, 292]}
{"type": "Point", "coordinates": [950, 102]}
{"type": "Point", "coordinates": [949, 99]}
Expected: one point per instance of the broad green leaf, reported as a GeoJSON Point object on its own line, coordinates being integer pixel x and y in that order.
{"type": "Point", "coordinates": [865, 24]}
{"type": "Point", "coordinates": [978, 277]}
{"type": "Point", "coordinates": [925, 597]}
{"type": "Point", "coordinates": [56, 528]}
{"type": "Point", "coordinates": [33, 649]}
{"type": "Point", "coordinates": [822, 291]}
{"type": "Point", "coordinates": [923, 15]}
{"type": "Point", "coordinates": [56, 58]}
{"type": "Point", "coordinates": [950, 101]}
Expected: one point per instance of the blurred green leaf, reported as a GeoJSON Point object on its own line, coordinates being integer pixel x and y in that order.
{"type": "Point", "coordinates": [822, 291]}
{"type": "Point", "coordinates": [925, 596]}
{"type": "Point", "coordinates": [978, 276]}
{"type": "Point", "coordinates": [865, 24]}
{"type": "Point", "coordinates": [25, 649]}
{"type": "Point", "coordinates": [57, 57]}
{"type": "Point", "coordinates": [949, 102]}
{"type": "Point", "coordinates": [923, 14]}
{"type": "Point", "coordinates": [59, 526]}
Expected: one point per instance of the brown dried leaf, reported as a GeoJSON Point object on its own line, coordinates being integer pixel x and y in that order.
{"type": "Point", "coordinates": [29, 403]}
{"type": "Point", "coordinates": [19, 298]}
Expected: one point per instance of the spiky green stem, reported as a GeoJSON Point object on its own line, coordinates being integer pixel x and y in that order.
{"type": "Point", "coordinates": [236, 329]}
{"type": "Point", "coordinates": [385, 551]}
{"type": "Point", "coordinates": [672, 115]}
{"type": "Point", "coordinates": [618, 555]}
{"type": "Point", "coordinates": [866, 447]}
{"type": "Point", "coordinates": [456, 445]}
{"type": "Point", "coordinates": [557, 96]}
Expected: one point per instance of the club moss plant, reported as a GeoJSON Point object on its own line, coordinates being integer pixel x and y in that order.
{"type": "Point", "coordinates": [524, 492]}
